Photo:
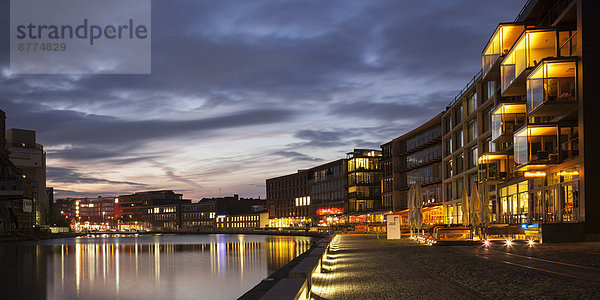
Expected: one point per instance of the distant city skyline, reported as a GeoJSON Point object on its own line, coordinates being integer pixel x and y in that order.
{"type": "Point", "coordinates": [244, 91]}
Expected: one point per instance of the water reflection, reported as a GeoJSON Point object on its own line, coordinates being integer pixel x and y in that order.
{"type": "Point", "coordinates": [143, 267]}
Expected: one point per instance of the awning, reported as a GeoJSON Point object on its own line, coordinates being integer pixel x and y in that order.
{"type": "Point", "coordinates": [423, 209]}
{"type": "Point", "coordinates": [369, 213]}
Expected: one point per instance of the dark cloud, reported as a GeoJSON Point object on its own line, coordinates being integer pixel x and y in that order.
{"type": "Point", "coordinates": [70, 175]}
{"type": "Point", "coordinates": [359, 144]}
{"type": "Point", "coordinates": [170, 174]}
{"type": "Point", "coordinates": [296, 156]}
{"type": "Point", "coordinates": [395, 107]}
{"type": "Point", "coordinates": [63, 193]}
{"type": "Point", "coordinates": [72, 127]}
{"type": "Point", "coordinates": [320, 138]}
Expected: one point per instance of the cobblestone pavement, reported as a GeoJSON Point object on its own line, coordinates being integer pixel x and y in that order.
{"type": "Point", "coordinates": [582, 253]}
{"type": "Point", "coordinates": [363, 267]}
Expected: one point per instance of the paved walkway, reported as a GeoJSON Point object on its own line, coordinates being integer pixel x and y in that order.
{"type": "Point", "coordinates": [362, 267]}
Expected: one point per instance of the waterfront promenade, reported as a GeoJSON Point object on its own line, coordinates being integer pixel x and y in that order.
{"type": "Point", "coordinates": [364, 267]}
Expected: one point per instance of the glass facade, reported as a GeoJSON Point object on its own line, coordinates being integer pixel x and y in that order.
{"type": "Point", "coordinates": [364, 180]}
{"type": "Point", "coordinates": [536, 144]}
{"type": "Point", "coordinates": [493, 166]}
{"type": "Point", "coordinates": [514, 203]}
{"type": "Point", "coordinates": [506, 118]}
{"type": "Point", "coordinates": [499, 44]}
{"type": "Point", "coordinates": [528, 51]}
{"type": "Point", "coordinates": [551, 82]}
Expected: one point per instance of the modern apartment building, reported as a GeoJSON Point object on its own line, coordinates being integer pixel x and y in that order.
{"type": "Point", "coordinates": [413, 157]}
{"type": "Point", "coordinates": [466, 137]}
{"type": "Point", "coordinates": [535, 103]}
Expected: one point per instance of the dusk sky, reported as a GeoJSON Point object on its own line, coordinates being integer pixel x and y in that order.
{"type": "Point", "coordinates": [241, 91]}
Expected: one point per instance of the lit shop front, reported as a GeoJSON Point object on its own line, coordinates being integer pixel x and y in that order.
{"type": "Point", "coordinates": [555, 197]}
{"type": "Point", "coordinates": [87, 226]}
{"type": "Point", "coordinates": [299, 222]}
{"type": "Point", "coordinates": [363, 222]}
{"type": "Point", "coordinates": [330, 217]}
{"type": "Point", "coordinates": [432, 215]}
{"type": "Point", "coordinates": [133, 226]}
{"type": "Point", "coordinates": [542, 197]}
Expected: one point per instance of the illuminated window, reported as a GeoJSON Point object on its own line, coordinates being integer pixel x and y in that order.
{"type": "Point", "coordinates": [551, 82]}
{"type": "Point", "coordinates": [500, 42]}
{"type": "Point", "coordinates": [528, 51]}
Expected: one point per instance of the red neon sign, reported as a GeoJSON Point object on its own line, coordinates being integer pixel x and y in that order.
{"type": "Point", "coordinates": [329, 211]}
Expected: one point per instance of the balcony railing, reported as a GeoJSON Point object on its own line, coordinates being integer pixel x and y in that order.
{"type": "Point", "coordinates": [552, 82]}
{"type": "Point", "coordinates": [531, 47]}
{"type": "Point", "coordinates": [501, 41]}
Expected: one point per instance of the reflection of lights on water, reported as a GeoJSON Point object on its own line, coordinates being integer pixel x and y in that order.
{"type": "Point", "coordinates": [136, 260]}
{"type": "Point", "coordinates": [77, 266]}
{"type": "Point", "coordinates": [157, 263]}
{"type": "Point", "coordinates": [229, 256]}
{"type": "Point", "coordinates": [117, 268]}
{"type": "Point", "coordinates": [241, 237]}
{"type": "Point", "coordinates": [104, 261]}
{"type": "Point", "coordinates": [62, 266]}
{"type": "Point", "coordinates": [221, 256]}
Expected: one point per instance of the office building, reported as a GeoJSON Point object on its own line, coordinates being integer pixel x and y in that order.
{"type": "Point", "coordinates": [130, 209]}
{"type": "Point", "coordinates": [30, 157]}
{"type": "Point", "coordinates": [251, 220]}
{"type": "Point", "coordinates": [16, 190]}
{"type": "Point", "coordinates": [288, 200]}
{"type": "Point", "coordinates": [328, 186]}
{"type": "Point", "coordinates": [198, 216]}
{"type": "Point", "coordinates": [364, 180]}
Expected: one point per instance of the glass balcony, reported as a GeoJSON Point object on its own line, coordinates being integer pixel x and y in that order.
{"type": "Point", "coordinates": [505, 119]}
{"type": "Point", "coordinates": [531, 47]}
{"type": "Point", "coordinates": [501, 41]}
{"type": "Point", "coordinates": [494, 166]}
{"type": "Point", "coordinates": [551, 88]}
{"type": "Point", "coordinates": [536, 146]}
